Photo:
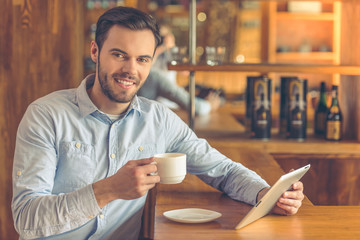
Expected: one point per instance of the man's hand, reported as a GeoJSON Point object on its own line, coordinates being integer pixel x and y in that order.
{"type": "Point", "coordinates": [214, 99]}
{"type": "Point", "coordinates": [131, 181]}
{"type": "Point", "coordinates": [289, 202]}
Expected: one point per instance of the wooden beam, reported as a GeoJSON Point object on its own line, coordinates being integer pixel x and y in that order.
{"type": "Point", "coordinates": [350, 85]}
{"type": "Point", "coordinates": [273, 67]}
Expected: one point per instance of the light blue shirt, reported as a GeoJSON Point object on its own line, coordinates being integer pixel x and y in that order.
{"type": "Point", "coordinates": [64, 144]}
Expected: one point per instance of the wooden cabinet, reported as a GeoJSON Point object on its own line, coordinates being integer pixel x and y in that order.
{"type": "Point", "coordinates": [329, 66]}
{"type": "Point", "coordinates": [304, 37]}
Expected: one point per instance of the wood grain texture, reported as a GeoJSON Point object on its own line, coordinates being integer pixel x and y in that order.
{"type": "Point", "coordinates": [40, 52]}
{"type": "Point", "coordinates": [272, 67]}
{"type": "Point", "coordinates": [334, 175]}
{"type": "Point", "coordinates": [222, 129]}
{"type": "Point", "coordinates": [350, 85]}
{"type": "Point", "coordinates": [311, 223]}
{"type": "Point", "coordinates": [333, 179]}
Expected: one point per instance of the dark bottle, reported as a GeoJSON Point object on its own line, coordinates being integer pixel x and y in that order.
{"type": "Point", "coordinates": [321, 112]}
{"type": "Point", "coordinates": [334, 118]}
{"type": "Point", "coordinates": [297, 119]}
{"type": "Point", "coordinates": [261, 119]}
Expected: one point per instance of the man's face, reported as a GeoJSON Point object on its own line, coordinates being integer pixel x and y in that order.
{"type": "Point", "coordinates": [124, 63]}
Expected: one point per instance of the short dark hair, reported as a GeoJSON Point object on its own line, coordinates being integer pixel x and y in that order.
{"type": "Point", "coordinates": [128, 17]}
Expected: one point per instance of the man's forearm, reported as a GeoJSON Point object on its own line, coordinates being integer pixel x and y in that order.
{"type": "Point", "coordinates": [102, 192]}
{"type": "Point", "coordinates": [54, 214]}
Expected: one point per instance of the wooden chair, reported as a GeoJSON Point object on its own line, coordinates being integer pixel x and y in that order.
{"type": "Point", "coordinates": [148, 217]}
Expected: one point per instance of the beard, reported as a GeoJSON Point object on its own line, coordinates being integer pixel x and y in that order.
{"type": "Point", "coordinates": [108, 89]}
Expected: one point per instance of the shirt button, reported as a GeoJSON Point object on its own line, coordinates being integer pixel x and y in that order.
{"type": "Point", "coordinates": [18, 173]}
{"type": "Point", "coordinates": [78, 145]}
{"type": "Point", "coordinates": [112, 155]}
{"type": "Point", "coordinates": [101, 216]}
{"type": "Point", "coordinates": [90, 217]}
{"type": "Point", "coordinates": [141, 148]}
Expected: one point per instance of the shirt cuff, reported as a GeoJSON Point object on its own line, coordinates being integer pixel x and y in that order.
{"type": "Point", "coordinates": [255, 189]}
{"type": "Point", "coordinates": [83, 203]}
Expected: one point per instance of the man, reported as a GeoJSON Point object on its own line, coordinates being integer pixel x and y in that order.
{"type": "Point", "coordinates": [83, 156]}
{"type": "Point", "coordinates": [157, 85]}
{"type": "Point", "coordinates": [161, 84]}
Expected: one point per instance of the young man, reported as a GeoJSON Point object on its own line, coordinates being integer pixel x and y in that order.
{"type": "Point", "coordinates": [83, 156]}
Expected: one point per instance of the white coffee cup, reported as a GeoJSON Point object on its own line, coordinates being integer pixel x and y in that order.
{"type": "Point", "coordinates": [171, 167]}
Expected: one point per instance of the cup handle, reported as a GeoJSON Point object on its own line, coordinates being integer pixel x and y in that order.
{"type": "Point", "coordinates": [154, 173]}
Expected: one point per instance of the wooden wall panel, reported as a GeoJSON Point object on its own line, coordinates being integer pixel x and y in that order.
{"type": "Point", "coordinates": [350, 52]}
{"type": "Point", "coordinates": [40, 51]}
{"type": "Point", "coordinates": [333, 179]}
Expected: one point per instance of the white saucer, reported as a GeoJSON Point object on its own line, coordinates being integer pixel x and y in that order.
{"type": "Point", "coordinates": [192, 215]}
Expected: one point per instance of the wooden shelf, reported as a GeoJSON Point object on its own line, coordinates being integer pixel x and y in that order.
{"type": "Point", "coordinates": [222, 129]}
{"type": "Point", "coordinates": [292, 29]}
{"type": "Point", "coordinates": [305, 16]}
{"type": "Point", "coordinates": [269, 67]}
{"type": "Point", "coordinates": [281, 145]}
{"type": "Point", "coordinates": [286, 56]}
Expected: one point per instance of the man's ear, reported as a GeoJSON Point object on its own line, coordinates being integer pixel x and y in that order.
{"type": "Point", "coordinates": [94, 51]}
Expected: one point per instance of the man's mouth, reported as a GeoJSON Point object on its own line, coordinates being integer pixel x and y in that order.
{"type": "Point", "coordinates": [124, 82]}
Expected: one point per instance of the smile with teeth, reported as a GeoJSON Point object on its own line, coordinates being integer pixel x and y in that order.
{"type": "Point", "coordinates": [124, 82]}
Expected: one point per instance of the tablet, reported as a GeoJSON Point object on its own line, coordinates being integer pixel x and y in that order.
{"type": "Point", "coordinates": [268, 201]}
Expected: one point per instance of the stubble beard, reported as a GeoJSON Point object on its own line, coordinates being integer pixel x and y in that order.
{"type": "Point", "coordinates": [108, 91]}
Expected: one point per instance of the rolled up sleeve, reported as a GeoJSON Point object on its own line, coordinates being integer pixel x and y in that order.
{"type": "Point", "coordinates": [37, 212]}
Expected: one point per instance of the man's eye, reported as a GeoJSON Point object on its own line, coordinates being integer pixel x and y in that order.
{"type": "Point", "coordinates": [143, 60]}
{"type": "Point", "coordinates": [118, 55]}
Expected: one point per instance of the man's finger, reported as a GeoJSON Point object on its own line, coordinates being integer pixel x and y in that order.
{"type": "Point", "coordinates": [290, 202]}
{"type": "Point", "coordinates": [293, 195]}
{"type": "Point", "coordinates": [286, 209]}
{"type": "Point", "coordinates": [143, 161]}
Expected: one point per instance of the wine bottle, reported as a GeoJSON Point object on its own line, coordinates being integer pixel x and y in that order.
{"type": "Point", "coordinates": [334, 118]}
{"type": "Point", "coordinates": [261, 119]}
{"type": "Point", "coordinates": [321, 112]}
{"type": "Point", "coordinates": [297, 119]}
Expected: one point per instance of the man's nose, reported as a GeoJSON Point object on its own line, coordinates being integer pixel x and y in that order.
{"type": "Point", "coordinates": [129, 66]}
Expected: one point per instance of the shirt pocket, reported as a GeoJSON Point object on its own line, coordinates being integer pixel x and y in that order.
{"type": "Point", "coordinates": [141, 151]}
{"type": "Point", "coordinates": [76, 166]}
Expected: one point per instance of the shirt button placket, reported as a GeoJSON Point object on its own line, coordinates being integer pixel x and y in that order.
{"type": "Point", "coordinates": [112, 137]}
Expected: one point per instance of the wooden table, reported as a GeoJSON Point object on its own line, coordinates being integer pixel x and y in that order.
{"type": "Point", "coordinates": [223, 131]}
{"type": "Point", "coordinates": [311, 222]}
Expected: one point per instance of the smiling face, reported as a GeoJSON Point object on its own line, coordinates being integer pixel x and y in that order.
{"type": "Point", "coordinates": [123, 65]}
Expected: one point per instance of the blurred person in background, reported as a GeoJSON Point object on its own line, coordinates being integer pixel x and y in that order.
{"type": "Point", "coordinates": [161, 84]}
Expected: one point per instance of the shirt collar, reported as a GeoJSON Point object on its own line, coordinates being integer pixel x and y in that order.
{"type": "Point", "coordinates": [86, 106]}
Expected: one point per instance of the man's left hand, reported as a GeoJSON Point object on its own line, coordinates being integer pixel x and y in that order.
{"type": "Point", "coordinates": [289, 202]}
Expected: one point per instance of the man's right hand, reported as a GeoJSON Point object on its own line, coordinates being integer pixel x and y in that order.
{"type": "Point", "coordinates": [131, 181]}
{"type": "Point", "coordinates": [214, 99]}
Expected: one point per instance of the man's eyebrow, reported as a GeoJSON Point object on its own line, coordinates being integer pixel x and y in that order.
{"type": "Point", "coordinates": [118, 50]}
{"type": "Point", "coordinates": [125, 53]}
{"type": "Point", "coordinates": [146, 56]}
